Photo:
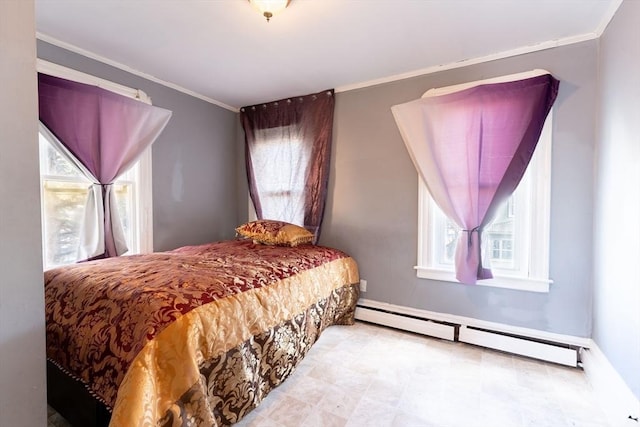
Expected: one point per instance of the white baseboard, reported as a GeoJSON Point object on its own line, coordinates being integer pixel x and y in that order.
{"type": "Point", "coordinates": [524, 347]}
{"type": "Point", "coordinates": [556, 348]}
{"type": "Point", "coordinates": [616, 397]}
{"type": "Point", "coordinates": [423, 327]}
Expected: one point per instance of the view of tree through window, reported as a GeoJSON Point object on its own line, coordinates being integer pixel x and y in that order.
{"type": "Point", "coordinates": [64, 207]}
{"type": "Point", "coordinates": [64, 195]}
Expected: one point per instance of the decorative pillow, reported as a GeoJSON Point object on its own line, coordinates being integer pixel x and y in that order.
{"type": "Point", "coordinates": [270, 232]}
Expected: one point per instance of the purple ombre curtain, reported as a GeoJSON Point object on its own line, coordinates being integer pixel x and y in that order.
{"type": "Point", "coordinates": [472, 148]}
{"type": "Point", "coordinates": [287, 154]}
{"type": "Point", "coordinates": [105, 133]}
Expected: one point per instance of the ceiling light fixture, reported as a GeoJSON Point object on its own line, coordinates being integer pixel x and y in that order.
{"type": "Point", "coordinates": [269, 7]}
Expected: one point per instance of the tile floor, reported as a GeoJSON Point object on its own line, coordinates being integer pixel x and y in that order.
{"type": "Point", "coordinates": [370, 376]}
{"type": "Point", "coordinates": [54, 419]}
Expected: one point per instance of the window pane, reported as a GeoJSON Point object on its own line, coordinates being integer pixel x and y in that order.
{"type": "Point", "coordinates": [125, 200]}
{"type": "Point", "coordinates": [501, 233]}
{"type": "Point", "coordinates": [64, 204]}
{"type": "Point", "coordinates": [52, 162]}
{"type": "Point", "coordinates": [450, 240]}
{"type": "Point", "coordinates": [280, 162]}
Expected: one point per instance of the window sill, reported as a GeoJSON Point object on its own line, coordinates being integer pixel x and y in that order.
{"type": "Point", "coordinates": [507, 282]}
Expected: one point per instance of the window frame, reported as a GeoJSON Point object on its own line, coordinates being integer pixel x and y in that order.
{"type": "Point", "coordinates": [534, 273]}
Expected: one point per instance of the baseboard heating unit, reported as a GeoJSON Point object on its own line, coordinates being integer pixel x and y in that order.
{"type": "Point", "coordinates": [556, 348]}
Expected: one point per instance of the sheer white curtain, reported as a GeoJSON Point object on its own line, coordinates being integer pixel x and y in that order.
{"type": "Point", "coordinates": [280, 168]}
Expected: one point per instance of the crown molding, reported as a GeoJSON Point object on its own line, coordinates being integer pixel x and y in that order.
{"type": "Point", "coordinates": [75, 49]}
{"type": "Point", "coordinates": [472, 61]}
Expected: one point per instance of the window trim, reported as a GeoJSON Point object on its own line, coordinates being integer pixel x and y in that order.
{"type": "Point", "coordinates": [144, 194]}
{"type": "Point", "coordinates": [538, 258]}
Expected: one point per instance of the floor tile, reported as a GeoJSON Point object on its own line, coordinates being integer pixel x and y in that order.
{"type": "Point", "coordinates": [370, 376]}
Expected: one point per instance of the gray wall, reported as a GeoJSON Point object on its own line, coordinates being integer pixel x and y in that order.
{"type": "Point", "coordinates": [22, 352]}
{"type": "Point", "coordinates": [194, 159]}
{"type": "Point", "coordinates": [616, 327]}
{"type": "Point", "coordinates": [372, 207]}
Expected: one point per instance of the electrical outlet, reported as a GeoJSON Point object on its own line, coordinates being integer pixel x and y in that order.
{"type": "Point", "coordinates": [363, 285]}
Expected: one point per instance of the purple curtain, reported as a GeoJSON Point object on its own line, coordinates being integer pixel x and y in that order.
{"type": "Point", "coordinates": [472, 148]}
{"type": "Point", "coordinates": [287, 154]}
{"type": "Point", "coordinates": [106, 133]}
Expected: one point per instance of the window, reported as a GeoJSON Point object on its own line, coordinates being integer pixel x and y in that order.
{"type": "Point", "coordinates": [280, 168]}
{"type": "Point", "coordinates": [64, 191]}
{"type": "Point", "coordinates": [515, 244]}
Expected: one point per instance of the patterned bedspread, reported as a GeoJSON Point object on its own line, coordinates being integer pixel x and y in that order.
{"type": "Point", "coordinates": [198, 335]}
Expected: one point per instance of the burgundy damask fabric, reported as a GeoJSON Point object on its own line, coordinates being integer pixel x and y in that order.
{"type": "Point", "coordinates": [100, 314]}
{"type": "Point", "coordinates": [272, 232]}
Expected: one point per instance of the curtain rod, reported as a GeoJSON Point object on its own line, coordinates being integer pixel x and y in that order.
{"type": "Point", "coordinates": [63, 72]}
{"type": "Point", "coordinates": [501, 79]}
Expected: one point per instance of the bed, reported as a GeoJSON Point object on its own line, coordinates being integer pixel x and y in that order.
{"type": "Point", "coordinates": [191, 337]}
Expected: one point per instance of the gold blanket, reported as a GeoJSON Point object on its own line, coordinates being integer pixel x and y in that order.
{"type": "Point", "coordinates": [195, 336]}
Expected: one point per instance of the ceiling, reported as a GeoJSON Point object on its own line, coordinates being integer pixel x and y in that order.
{"type": "Point", "coordinates": [225, 52]}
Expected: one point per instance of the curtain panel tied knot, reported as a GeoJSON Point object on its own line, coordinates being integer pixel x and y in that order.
{"type": "Point", "coordinates": [478, 230]}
